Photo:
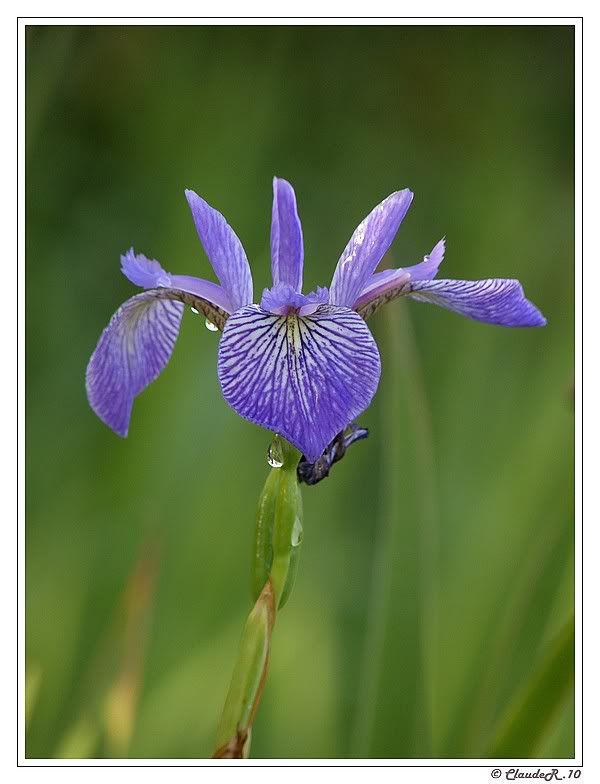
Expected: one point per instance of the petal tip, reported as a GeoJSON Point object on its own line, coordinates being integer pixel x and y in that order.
{"type": "Point", "coordinates": [192, 197]}
{"type": "Point", "coordinates": [405, 193]}
{"type": "Point", "coordinates": [539, 320]}
{"type": "Point", "coordinates": [142, 271]}
{"type": "Point", "coordinates": [119, 427]}
{"type": "Point", "coordinates": [281, 182]}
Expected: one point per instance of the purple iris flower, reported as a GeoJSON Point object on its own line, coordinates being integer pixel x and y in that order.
{"type": "Point", "coordinates": [301, 365]}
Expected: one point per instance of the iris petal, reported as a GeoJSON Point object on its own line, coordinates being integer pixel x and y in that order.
{"type": "Point", "coordinates": [149, 274]}
{"type": "Point", "coordinates": [132, 351]}
{"type": "Point", "coordinates": [224, 250]}
{"type": "Point", "coordinates": [391, 283]}
{"type": "Point", "coordinates": [304, 377]}
{"type": "Point", "coordinates": [428, 268]}
{"type": "Point", "coordinates": [495, 301]}
{"type": "Point", "coordinates": [143, 271]}
{"type": "Point", "coordinates": [367, 246]}
{"type": "Point", "coordinates": [287, 247]}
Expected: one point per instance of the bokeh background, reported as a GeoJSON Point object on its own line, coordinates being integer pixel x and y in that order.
{"type": "Point", "coordinates": [432, 614]}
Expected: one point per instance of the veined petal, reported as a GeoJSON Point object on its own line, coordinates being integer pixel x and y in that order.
{"type": "Point", "coordinates": [384, 286]}
{"type": "Point", "coordinates": [224, 250]}
{"type": "Point", "coordinates": [287, 246]}
{"type": "Point", "coordinates": [495, 301]}
{"type": "Point", "coordinates": [304, 377]}
{"type": "Point", "coordinates": [132, 351]}
{"type": "Point", "coordinates": [367, 246]}
{"type": "Point", "coordinates": [149, 274]}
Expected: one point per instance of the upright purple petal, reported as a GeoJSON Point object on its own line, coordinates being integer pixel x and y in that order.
{"type": "Point", "coordinates": [304, 377]}
{"type": "Point", "coordinates": [495, 301]}
{"type": "Point", "coordinates": [132, 351]}
{"type": "Point", "coordinates": [224, 250]}
{"type": "Point", "coordinates": [367, 246]}
{"type": "Point", "coordinates": [287, 247]}
{"type": "Point", "coordinates": [142, 271]}
{"type": "Point", "coordinates": [428, 268]}
{"type": "Point", "coordinates": [149, 274]}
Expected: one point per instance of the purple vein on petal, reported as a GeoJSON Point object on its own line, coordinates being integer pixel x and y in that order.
{"type": "Point", "coordinates": [304, 377]}
{"type": "Point", "coordinates": [132, 351]}
{"type": "Point", "coordinates": [494, 301]}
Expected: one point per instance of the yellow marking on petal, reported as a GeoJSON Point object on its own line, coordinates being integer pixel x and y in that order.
{"type": "Point", "coordinates": [293, 333]}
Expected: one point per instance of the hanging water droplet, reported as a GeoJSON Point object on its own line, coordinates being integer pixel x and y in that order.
{"type": "Point", "coordinates": [297, 532]}
{"type": "Point", "coordinates": [194, 310]}
{"type": "Point", "coordinates": [210, 326]}
{"type": "Point", "coordinates": [275, 453]}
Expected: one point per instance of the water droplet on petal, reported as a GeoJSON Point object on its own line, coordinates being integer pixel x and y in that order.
{"type": "Point", "coordinates": [195, 311]}
{"type": "Point", "coordinates": [275, 453]}
{"type": "Point", "coordinates": [297, 532]}
{"type": "Point", "coordinates": [210, 326]}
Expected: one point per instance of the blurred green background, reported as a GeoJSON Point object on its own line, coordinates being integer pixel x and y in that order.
{"type": "Point", "coordinates": [432, 612]}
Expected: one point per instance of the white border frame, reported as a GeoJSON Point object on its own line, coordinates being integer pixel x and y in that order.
{"type": "Point", "coordinates": [449, 764]}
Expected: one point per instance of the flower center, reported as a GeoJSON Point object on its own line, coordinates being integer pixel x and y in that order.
{"type": "Point", "coordinates": [284, 300]}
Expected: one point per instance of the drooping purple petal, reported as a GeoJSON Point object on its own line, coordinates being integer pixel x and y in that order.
{"type": "Point", "coordinates": [495, 301]}
{"type": "Point", "coordinates": [224, 250]}
{"type": "Point", "coordinates": [367, 247]}
{"type": "Point", "coordinates": [149, 274]}
{"type": "Point", "coordinates": [132, 351]}
{"type": "Point", "coordinates": [304, 377]}
{"type": "Point", "coordinates": [287, 246]}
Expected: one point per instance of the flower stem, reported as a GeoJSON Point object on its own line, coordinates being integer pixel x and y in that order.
{"type": "Point", "coordinates": [276, 549]}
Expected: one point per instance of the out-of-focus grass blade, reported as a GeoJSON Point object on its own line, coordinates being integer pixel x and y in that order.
{"type": "Point", "coordinates": [112, 690]}
{"type": "Point", "coordinates": [33, 679]}
{"type": "Point", "coordinates": [518, 634]}
{"type": "Point", "coordinates": [80, 741]}
{"type": "Point", "coordinates": [518, 564]}
{"type": "Point", "coordinates": [120, 705]}
{"type": "Point", "coordinates": [401, 627]}
{"type": "Point", "coordinates": [531, 715]}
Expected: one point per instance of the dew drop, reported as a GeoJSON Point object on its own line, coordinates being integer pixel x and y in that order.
{"type": "Point", "coordinates": [275, 453]}
{"type": "Point", "coordinates": [210, 326]}
{"type": "Point", "coordinates": [297, 532]}
{"type": "Point", "coordinates": [194, 311]}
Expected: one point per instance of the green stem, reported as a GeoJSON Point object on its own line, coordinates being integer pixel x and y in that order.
{"type": "Point", "coordinates": [247, 682]}
{"type": "Point", "coordinates": [278, 536]}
